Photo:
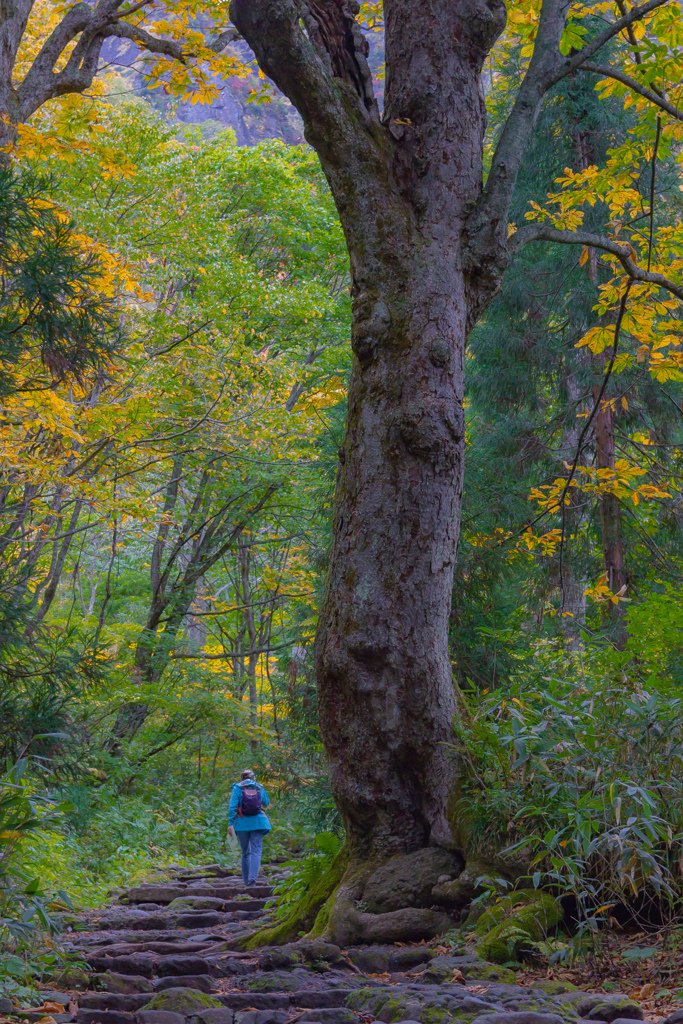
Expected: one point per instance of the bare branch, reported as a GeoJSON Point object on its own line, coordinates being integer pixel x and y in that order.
{"type": "Point", "coordinates": [154, 44]}
{"type": "Point", "coordinates": [624, 253]}
{"type": "Point", "coordinates": [607, 71]}
{"type": "Point", "coordinates": [224, 39]}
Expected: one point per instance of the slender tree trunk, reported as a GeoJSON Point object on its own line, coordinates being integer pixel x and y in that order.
{"type": "Point", "coordinates": [573, 598]}
{"type": "Point", "coordinates": [610, 518]}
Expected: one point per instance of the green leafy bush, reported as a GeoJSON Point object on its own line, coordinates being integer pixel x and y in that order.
{"type": "Point", "coordinates": [304, 873]}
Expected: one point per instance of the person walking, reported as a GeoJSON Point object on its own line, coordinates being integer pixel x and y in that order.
{"type": "Point", "coordinates": [247, 821]}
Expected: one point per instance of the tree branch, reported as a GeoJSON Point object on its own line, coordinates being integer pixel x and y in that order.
{"type": "Point", "coordinates": [624, 253]}
{"type": "Point", "coordinates": [575, 62]}
{"type": "Point", "coordinates": [607, 71]}
{"type": "Point", "coordinates": [486, 227]}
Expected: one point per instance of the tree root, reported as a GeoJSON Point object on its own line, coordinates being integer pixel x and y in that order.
{"type": "Point", "coordinates": [304, 915]}
{"type": "Point", "coordinates": [329, 911]}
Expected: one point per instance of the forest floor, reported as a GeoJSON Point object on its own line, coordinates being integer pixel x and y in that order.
{"type": "Point", "coordinates": [168, 952]}
{"type": "Point", "coordinates": [655, 982]}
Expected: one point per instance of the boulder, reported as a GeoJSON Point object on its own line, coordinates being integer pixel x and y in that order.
{"type": "Point", "coordinates": [111, 982]}
{"type": "Point", "coordinates": [512, 928]}
{"type": "Point", "coordinates": [377, 959]}
{"type": "Point", "coordinates": [310, 999]}
{"type": "Point", "coordinates": [155, 893]}
{"type": "Point", "coordinates": [71, 978]}
{"type": "Point", "coordinates": [553, 987]}
{"type": "Point", "coordinates": [139, 964]}
{"type": "Point", "coordinates": [609, 1008]}
{"type": "Point", "coordinates": [533, 911]}
{"type": "Point", "coordinates": [6, 1005]}
{"type": "Point", "coordinates": [104, 1017]}
{"type": "Point", "coordinates": [183, 1000]}
{"type": "Point", "coordinates": [674, 1018]}
{"type": "Point", "coordinates": [256, 1000]}
{"type": "Point", "coordinates": [200, 919]}
{"type": "Point", "coordinates": [315, 950]}
{"type": "Point", "coordinates": [128, 1002]}
{"type": "Point", "coordinates": [481, 971]}
{"type": "Point", "coordinates": [330, 1015]}
{"type": "Point", "coordinates": [260, 1017]}
{"type": "Point", "coordinates": [408, 880]}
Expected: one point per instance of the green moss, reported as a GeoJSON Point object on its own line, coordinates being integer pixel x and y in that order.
{"type": "Point", "coordinates": [272, 983]}
{"type": "Point", "coordinates": [489, 972]}
{"type": "Point", "coordinates": [531, 911]}
{"type": "Point", "coordinates": [435, 1015]}
{"type": "Point", "coordinates": [555, 988]}
{"type": "Point", "coordinates": [304, 915]}
{"type": "Point", "coordinates": [182, 1000]}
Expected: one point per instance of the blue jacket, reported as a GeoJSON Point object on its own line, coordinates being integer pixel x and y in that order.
{"type": "Point", "coordinates": [250, 821]}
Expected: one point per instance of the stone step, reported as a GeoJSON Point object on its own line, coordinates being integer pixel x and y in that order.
{"type": "Point", "coordinates": [304, 999]}
{"type": "Point", "coordinates": [129, 1001]}
{"type": "Point", "coordinates": [165, 894]}
{"type": "Point", "coordinates": [201, 982]}
{"type": "Point", "coordinates": [104, 1017]}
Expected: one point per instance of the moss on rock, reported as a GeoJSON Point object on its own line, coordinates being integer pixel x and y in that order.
{"type": "Point", "coordinates": [532, 911]}
{"type": "Point", "coordinates": [303, 915]}
{"type": "Point", "coordinates": [182, 1000]}
{"type": "Point", "coordinates": [511, 929]}
{"type": "Point", "coordinates": [552, 987]}
{"type": "Point", "coordinates": [488, 972]}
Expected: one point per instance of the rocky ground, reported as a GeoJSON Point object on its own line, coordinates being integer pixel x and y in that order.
{"type": "Point", "coordinates": [167, 953]}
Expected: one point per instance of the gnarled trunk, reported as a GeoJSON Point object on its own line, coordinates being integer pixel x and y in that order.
{"type": "Point", "coordinates": [386, 693]}
{"type": "Point", "coordinates": [404, 187]}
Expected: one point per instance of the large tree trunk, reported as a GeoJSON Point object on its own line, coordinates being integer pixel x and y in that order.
{"type": "Point", "coordinates": [404, 189]}
{"type": "Point", "coordinates": [384, 676]}
{"type": "Point", "coordinates": [428, 246]}
{"type": "Point", "coordinates": [386, 693]}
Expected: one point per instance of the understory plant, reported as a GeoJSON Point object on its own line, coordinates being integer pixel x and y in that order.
{"type": "Point", "coordinates": [576, 774]}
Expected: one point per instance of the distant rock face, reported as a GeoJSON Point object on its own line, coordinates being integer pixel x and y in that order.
{"type": "Point", "coordinates": [408, 880]}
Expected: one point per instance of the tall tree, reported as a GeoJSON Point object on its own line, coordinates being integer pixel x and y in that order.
{"type": "Point", "coordinates": [428, 245]}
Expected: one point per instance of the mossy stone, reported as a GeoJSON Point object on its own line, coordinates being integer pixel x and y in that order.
{"type": "Point", "coordinates": [182, 1000]}
{"type": "Point", "coordinates": [507, 942]}
{"type": "Point", "coordinates": [555, 988]}
{"type": "Point", "coordinates": [274, 982]}
{"type": "Point", "coordinates": [533, 912]}
{"type": "Point", "coordinates": [71, 978]}
{"type": "Point", "coordinates": [183, 903]}
{"type": "Point", "coordinates": [480, 971]}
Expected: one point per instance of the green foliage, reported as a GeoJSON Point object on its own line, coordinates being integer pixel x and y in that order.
{"type": "Point", "coordinates": [23, 899]}
{"type": "Point", "coordinates": [578, 779]}
{"type": "Point", "coordinates": [51, 303]}
{"type": "Point", "coordinates": [303, 874]}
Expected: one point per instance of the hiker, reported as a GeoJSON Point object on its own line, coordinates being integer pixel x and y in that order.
{"type": "Point", "coordinates": [247, 821]}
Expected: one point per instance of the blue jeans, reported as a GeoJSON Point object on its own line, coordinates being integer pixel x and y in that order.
{"type": "Point", "coordinates": [252, 847]}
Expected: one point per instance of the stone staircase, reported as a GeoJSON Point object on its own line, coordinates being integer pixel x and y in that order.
{"type": "Point", "coordinates": [167, 953]}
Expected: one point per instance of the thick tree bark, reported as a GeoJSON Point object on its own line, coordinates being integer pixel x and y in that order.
{"type": "Point", "coordinates": [386, 693]}
{"type": "Point", "coordinates": [428, 246]}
